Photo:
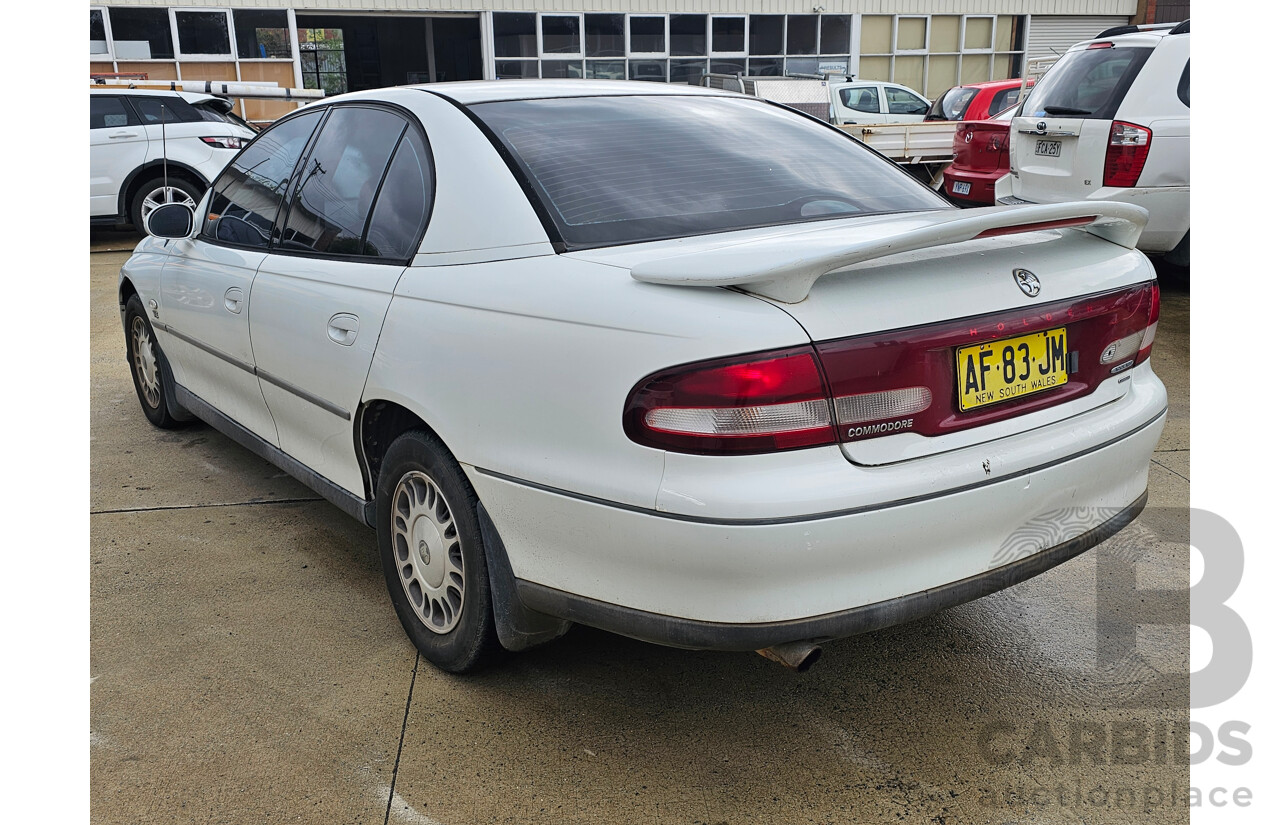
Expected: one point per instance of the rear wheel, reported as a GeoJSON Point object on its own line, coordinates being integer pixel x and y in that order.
{"type": "Point", "coordinates": [156, 192]}
{"type": "Point", "coordinates": [432, 555]}
{"type": "Point", "coordinates": [146, 364]}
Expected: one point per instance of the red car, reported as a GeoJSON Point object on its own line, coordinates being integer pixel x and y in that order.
{"type": "Point", "coordinates": [981, 148]}
{"type": "Point", "coordinates": [976, 101]}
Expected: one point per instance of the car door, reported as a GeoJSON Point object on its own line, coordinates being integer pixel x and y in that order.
{"type": "Point", "coordinates": [858, 104]}
{"type": "Point", "coordinates": [354, 221]}
{"type": "Point", "coordinates": [117, 146]}
{"type": "Point", "coordinates": [206, 284]}
{"type": "Point", "coordinates": [904, 105]}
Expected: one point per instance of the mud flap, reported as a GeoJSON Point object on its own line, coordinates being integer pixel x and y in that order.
{"type": "Point", "coordinates": [519, 628]}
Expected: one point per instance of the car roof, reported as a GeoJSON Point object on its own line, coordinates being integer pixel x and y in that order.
{"type": "Point", "coordinates": [1145, 37]}
{"type": "Point", "coordinates": [467, 92]}
{"type": "Point", "coordinates": [190, 97]}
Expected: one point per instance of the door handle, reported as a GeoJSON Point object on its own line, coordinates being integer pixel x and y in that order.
{"type": "Point", "coordinates": [233, 300]}
{"type": "Point", "coordinates": [118, 135]}
{"type": "Point", "coordinates": [343, 329]}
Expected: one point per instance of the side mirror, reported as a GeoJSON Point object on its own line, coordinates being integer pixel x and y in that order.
{"type": "Point", "coordinates": [171, 220]}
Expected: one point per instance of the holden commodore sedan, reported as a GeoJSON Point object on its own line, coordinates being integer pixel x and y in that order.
{"type": "Point", "coordinates": [672, 362]}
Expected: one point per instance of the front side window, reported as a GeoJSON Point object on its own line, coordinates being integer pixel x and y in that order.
{"type": "Point", "coordinates": [246, 197]}
{"type": "Point", "coordinates": [1089, 83]}
{"type": "Point", "coordinates": [337, 182]}
{"type": "Point", "coordinates": [902, 102]}
{"type": "Point", "coordinates": [613, 170]}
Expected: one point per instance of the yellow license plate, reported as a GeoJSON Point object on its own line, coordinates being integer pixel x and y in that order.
{"type": "Point", "coordinates": [1003, 370]}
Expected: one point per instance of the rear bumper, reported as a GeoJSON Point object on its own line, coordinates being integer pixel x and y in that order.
{"type": "Point", "coordinates": [820, 547]}
{"type": "Point", "coordinates": [982, 185]}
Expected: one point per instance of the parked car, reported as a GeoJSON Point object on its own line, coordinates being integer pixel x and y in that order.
{"type": "Point", "coordinates": [976, 101]}
{"type": "Point", "coordinates": [981, 149]}
{"type": "Point", "coordinates": [647, 358]}
{"type": "Point", "coordinates": [128, 148]}
{"type": "Point", "coordinates": [1111, 121]}
{"type": "Point", "coordinates": [868, 101]}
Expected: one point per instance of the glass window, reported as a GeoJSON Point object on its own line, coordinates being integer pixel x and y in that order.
{"type": "Point", "coordinates": [729, 34]}
{"type": "Point", "coordinates": [688, 34]}
{"type": "Point", "coordinates": [765, 67]}
{"type": "Point", "coordinates": [515, 35]}
{"type": "Point", "coordinates": [802, 34]}
{"type": "Point", "coordinates": [141, 34]}
{"type": "Point", "coordinates": [606, 35]}
{"type": "Point", "coordinates": [902, 102]}
{"type": "Point", "coordinates": [169, 108]}
{"type": "Point", "coordinates": [97, 32]}
{"type": "Point", "coordinates": [1184, 85]}
{"type": "Point", "coordinates": [562, 68]}
{"type": "Point", "coordinates": [607, 69]}
{"type": "Point", "coordinates": [1002, 100]}
{"type": "Point", "coordinates": [861, 100]}
{"type": "Point", "coordinates": [261, 34]}
{"type": "Point", "coordinates": [515, 69]}
{"type": "Point", "coordinates": [722, 66]}
{"type": "Point", "coordinates": [1088, 83]}
{"type": "Point", "coordinates": [802, 65]}
{"type": "Point", "coordinates": [324, 60]}
{"type": "Point", "coordinates": [766, 33]}
{"type": "Point", "coordinates": [953, 104]}
{"type": "Point", "coordinates": [246, 197]}
{"type": "Point", "coordinates": [560, 35]}
{"type": "Point", "coordinates": [687, 71]}
{"type": "Point", "coordinates": [649, 70]}
{"type": "Point", "coordinates": [835, 34]}
{"type": "Point", "coordinates": [338, 180]}
{"type": "Point", "coordinates": [402, 204]}
{"type": "Point", "coordinates": [203, 32]}
{"type": "Point", "coordinates": [622, 170]}
{"type": "Point", "coordinates": [648, 34]}
{"type": "Point", "coordinates": [109, 113]}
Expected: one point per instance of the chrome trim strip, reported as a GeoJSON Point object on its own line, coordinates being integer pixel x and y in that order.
{"type": "Point", "coordinates": [819, 516]}
{"type": "Point", "coordinates": [200, 345]}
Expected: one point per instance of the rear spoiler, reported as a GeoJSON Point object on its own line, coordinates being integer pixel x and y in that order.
{"type": "Point", "coordinates": [786, 266]}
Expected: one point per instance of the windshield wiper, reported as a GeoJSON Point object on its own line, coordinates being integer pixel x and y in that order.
{"type": "Point", "coordinates": [1066, 110]}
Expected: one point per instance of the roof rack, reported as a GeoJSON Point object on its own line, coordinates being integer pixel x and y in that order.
{"type": "Point", "coordinates": [1115, 31]}
{"type": "Point", "coordinates": [1182, 28]}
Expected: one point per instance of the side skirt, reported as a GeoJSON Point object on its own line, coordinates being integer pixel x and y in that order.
{"type": "Point", "coordinates": [352, 505]}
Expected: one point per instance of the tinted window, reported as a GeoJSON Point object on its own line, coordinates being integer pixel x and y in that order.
{"type": "Point", "coordinates": [338, 181]}
{"type": "Point", "coordinates": [97, 33]}
{"type": "Point", "coordinates": [246, 197]}
{"type": "Point", "coordinates": [835, 34]}
{"type": "Point", "coordinates": [605, 35]}
{"type": "Point", "coordinates": [262, 34]}
{"type": "Point", "coordinates": [1002, 100]}
{"type": "Point", "coordinates": [1184, 85]}
{"type": "Point", "coordinates": [861, 100]}
{"type": "Point", "coordinates": [203, 32]}
{"type": "Point", "coordinates": [141, 33]}
{"type": "Point", "coordinates": [515, 35]}
{"type": "Point", "coordinates": [952, 105]}
{"type": "Point", "coordinates": [1089, 83]}
{"type": "Point", "coordinates": [648, 34]}
{"type": "Point", "coordinates": [626, 169]}
{"type": "Point", "coordinates": [171, 108]}
{"type": "Point", "coordinates": [902, 102]}
{"type": "Point", "coordinates": [728, 34]}
{"type": "Point", "coordinates": [688, 34]}
{"type": "Point", "coordinates": [402, 204]}
{"type": "Point", "coordinates": [108, 113]}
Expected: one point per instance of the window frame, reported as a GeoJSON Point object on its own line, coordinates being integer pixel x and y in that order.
{"type": "Point", "coordinates": [173, 37]}
{"type": "Point", "coordinates": [109, 56]}
{"type": "Point", "coordinates": [412, 122]}
{"type": "Point", "coordinates": [178, 54]}
{"type": "Point", "coordinates": [711, 18]}
{"type": "Point", "coordinates": [990, 48]}
{"type": "Point", "coordinates": [666, 40]}
{"type": "Point", "coordinates": [292, 30]}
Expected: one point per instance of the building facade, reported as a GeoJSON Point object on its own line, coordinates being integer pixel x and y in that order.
{"type": "Point", "coordinates": [348, 45]}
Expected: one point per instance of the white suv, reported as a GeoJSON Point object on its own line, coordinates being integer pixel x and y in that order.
{"type": "Point", "coordinates": [127, 150]}
{"type": "Point", "coordinates": [1112, 121]}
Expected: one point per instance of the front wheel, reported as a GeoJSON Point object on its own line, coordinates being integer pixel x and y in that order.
{"type": "Point", "coordinates": [432, 554]}
{"type": "Point", "coordinates": [146, 364]}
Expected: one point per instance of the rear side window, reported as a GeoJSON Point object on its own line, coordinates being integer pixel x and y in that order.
{"type": "Point", "coordinates": [170, 108]}
{"type": "Point", "coordinates": [1184, 86]}
{"type": "Point", "coordinates": [109, 113]}
{"type": "Point", "coordinates": [1002, 100]}
{"type": "Point", "coordinates": [1090, 83]}
{"type": "Point", "coordinates": [861, 100]}
{"type": "Point", "coordinates": [401, 210]}
{"type": "Point", "coordinates": [625, 169]}
{"type": "Point", "coordinates": [330, 208]}
{"type": "Point", "coordinates": [953, 104]}
{"type": "Point", "coordinates": [246, 197]}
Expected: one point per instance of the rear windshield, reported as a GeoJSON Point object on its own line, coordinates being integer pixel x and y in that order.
{"type": "Point", "coordinates": [1089, 83]}
{"type": "Point", "coordinates": [952, 105]}
{"type": "Point", "coordinates": [612, 170]}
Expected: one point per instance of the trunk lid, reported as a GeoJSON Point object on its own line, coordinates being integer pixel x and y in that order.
{"type": "Point", "coordinates": [982, 145]}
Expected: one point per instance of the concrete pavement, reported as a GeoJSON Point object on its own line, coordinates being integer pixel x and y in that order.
{"type": "Point", "coordinates": [248, 668]}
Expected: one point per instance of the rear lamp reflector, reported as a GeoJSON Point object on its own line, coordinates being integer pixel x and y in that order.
{"type": "Point", "coordinates": [738, 421]}
{"type": "Point", "coordinates": [1122, 350]}
{"type": "Point", "coordinates": [877, 406]}
{"type": "Point", "coordinates": [1126, 154]}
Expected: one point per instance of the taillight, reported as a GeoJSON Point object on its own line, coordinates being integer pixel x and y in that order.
{"type": "Point", "coordinates": [762, 403]}
{"type": "Point", "coordinates": [1126, 154]}
{"type": "Point", "coordinates": [224, 142]}
{"type": "Point", "coordinates": [869, 386]}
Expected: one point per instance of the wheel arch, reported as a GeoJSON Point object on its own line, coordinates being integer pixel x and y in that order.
{"type": "Point", "coordinates": [136, 178]}
{"type": "Point", "coordinates": [379, 422]}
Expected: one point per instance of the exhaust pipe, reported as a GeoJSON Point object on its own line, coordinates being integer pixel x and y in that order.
{"type": "Point", "coordinates": [799, 656]}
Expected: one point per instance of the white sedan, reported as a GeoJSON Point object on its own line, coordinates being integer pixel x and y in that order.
{"type": "Point", "coordinates": [668, 361]}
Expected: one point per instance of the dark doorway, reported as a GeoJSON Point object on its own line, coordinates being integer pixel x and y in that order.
{"type": "Point", "coordinates": [373, 52]}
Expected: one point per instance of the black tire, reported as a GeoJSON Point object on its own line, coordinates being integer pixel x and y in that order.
{"type": "Point", "coordinates": [179, 185]}
{"type": "Point", "coordinates": [432, 554]}
{"type": "Point", "coordinates": [148, 368]}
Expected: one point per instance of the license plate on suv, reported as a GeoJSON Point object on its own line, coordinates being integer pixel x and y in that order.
{"type": "Point", "coordinates": [1011, 368]}
{"type": "Point", "coordinates": [1052, 148]}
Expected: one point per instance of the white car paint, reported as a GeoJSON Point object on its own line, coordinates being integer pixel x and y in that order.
{"type": "Point", "coordinates": [1164, 186]}
{"type": "Point", "coordinates": [889, 100]}
{"type": "Point", "coordinates": [520, 359]}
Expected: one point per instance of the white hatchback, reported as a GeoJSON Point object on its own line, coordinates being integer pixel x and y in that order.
{"type": "Point", "coordinates": [1111, 121]}
{"type": "Point", "coordinates": [672, 362]}
{"type": "Point", "coordinates": [134, 134]}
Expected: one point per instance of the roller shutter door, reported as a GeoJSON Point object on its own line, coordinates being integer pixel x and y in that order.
{"type": "Point", "coordinates": [1054, 34]}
